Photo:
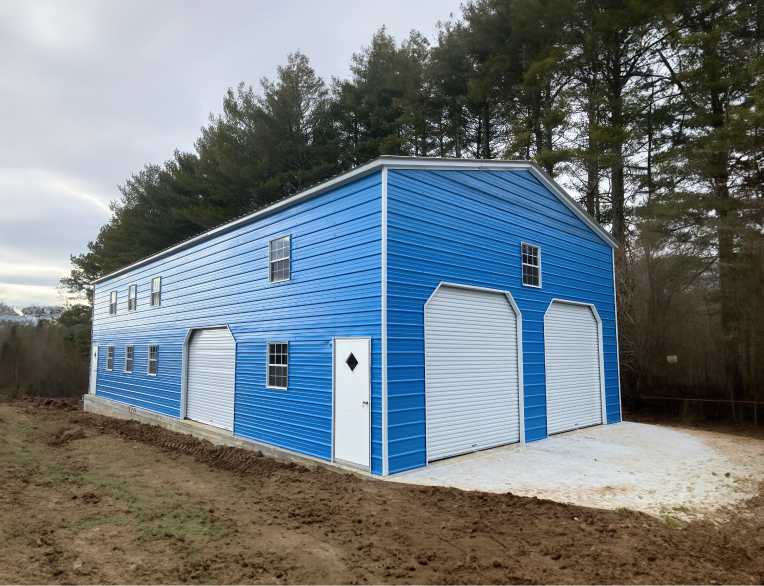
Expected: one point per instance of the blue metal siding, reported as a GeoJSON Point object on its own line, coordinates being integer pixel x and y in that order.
{"type": "Point", "coordinates": [334, 291]}
{"type": "Point", "coordinates": [467, 227]}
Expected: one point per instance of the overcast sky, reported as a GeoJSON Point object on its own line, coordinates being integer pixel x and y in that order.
{"type": "Point", "coordinates": [92, 91]}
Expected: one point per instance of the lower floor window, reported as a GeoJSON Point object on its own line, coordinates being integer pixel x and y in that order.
{"type": "Point", "coordinates": [153, 359]}
{"type": "Point", "coordinates": [110, 358]}
{"type": "Point", "coordinates": [278, 365]}
{"type": "Point", "coordinates": [128, 359]}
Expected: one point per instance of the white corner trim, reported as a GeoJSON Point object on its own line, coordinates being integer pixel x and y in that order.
{"type": "Point", "coordinates": [617, 342]}
{"type": "Point", "coordinates": [334, 393]}
{"type": "Point", "coordinates": [385, 463]}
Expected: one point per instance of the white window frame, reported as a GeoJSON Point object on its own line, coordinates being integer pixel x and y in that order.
{"type": "Point", "coordinates": [110, 358]}
{"type": "Point", "coordinates": [268, 366]}
{"type": "Point", "coordinates": [132, 297]}
{"type": "Point", "coordinates": [129, 350]}
{"type": "Point", "coordinates": [158, 292]}
{"type": "Point", "coordinates": [288, 258]}
{"type": "Point", "coordinates": [113, 303]}
{"type": "Point", "coordinates": [523, 264]}
{"type": "Point", "coordinates": [155, 360]}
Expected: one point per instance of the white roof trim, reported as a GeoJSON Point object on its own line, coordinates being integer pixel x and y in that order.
{"type": "Point", "coordinates": [390, 162]}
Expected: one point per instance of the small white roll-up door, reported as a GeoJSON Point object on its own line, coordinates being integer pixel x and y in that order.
{"type": "Point", "coordinates": [471, 368]}
{"type": "Point", "coordinates": [211, 379]}
{"type": "Point", "coordinates": [571, 348]}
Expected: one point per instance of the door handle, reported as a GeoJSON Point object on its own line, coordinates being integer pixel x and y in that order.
{"type": "Point", "coordinates": [365, 402]}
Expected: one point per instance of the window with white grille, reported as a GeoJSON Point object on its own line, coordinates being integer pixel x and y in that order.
{"type": "Point", "coordinates": [278, 365]}
{"type": "Point", "coordinates": [132, 292]}
{"type": "Point", "coordinates": [113, 303]}
{"type": "Point", "coordinates": [531, 265]}
{"type": "Point", "coordinates": [156, 286]}
{"type": "Point", "coordinates": [278, 260]}
{"type": "Point", "coordinates": [110, 358]}
{"type": "Point", "coordinates": [153, 359]}
{"type": "Point", "coordinates": [128, 359]}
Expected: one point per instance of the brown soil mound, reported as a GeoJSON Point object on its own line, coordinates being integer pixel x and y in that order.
{"type": "Point", "coordinates": [64, 436]}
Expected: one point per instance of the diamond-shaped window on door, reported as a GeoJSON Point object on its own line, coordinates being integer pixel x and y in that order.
{"type": "Point", "coordinates": [352, 362]}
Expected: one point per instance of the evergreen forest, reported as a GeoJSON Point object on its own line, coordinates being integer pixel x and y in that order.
{"type": "Point", "coordinates": [651, 114]}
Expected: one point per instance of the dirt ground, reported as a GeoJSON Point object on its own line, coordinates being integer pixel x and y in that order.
{"type": "Point", "coordinates": [89, 499]}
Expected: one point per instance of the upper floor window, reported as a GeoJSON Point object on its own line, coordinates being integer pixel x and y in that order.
{"type": "Point", "coordinates": [128, 359]}
{"type": "Point", "coordinates": [156, 286]}
{"type": "Point", "coordinates": [531, 265]}
{"type": "Point", "coordinates": [278, 365]}
{"type": "Point", "coordinates": [110, 358]}
{"type": "Point", "coordinates": [153, 359]}
{"type": "Point", "coordinates": [278, 255]}
{"type": "Point", "coordinates": [113, 303]}
{"type": "Point", "coordinates": [131, 294]}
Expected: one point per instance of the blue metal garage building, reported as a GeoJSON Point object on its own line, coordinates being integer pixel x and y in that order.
{"type": "Point", "coordinates": [409, 310]}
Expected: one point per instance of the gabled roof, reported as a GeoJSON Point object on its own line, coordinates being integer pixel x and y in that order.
{"type": "Point", "coordinates": [388, 162]}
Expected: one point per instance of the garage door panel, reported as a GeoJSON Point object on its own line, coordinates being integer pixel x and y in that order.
{"type": "Point", "coordinates": [497, 432]}
{"type": "Point", "coordinates": [576, 356]}
{"type": "Point", "coordinates": [211, 377]}
{"type": "Point", "coordinates": [449, 435]}
{"type": "Point", "coordinates": [570, 408]}
{"type": "Point", "coordinates": [471, 363]}
{"type": "Point", "coordinates": [479, 443]}
{"type": "Point", "coordinates": [572, 364]}
{"type": "Point", "coordinates": [476, 408]}
{"type": "Point", "coordinates": [446, 442]}
{"type": "Point", "coordinates": [470, 415]}
{"type": "Point", "coordinates": [453, 373]}
{"type": "Point", "coordinates": [464, 388]}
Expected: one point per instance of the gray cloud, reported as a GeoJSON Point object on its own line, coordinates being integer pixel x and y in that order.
{"type": "Point", "coordinates": [92, 91]}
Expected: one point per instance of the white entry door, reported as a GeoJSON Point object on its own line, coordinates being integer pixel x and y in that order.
{"type": "Point", "coordinates": [93, 370]}
{"type": "Point", "coordinates": [572, 357]}
{"type": "Point", "coordinates": [211, 382]}
{"type": "Point", "coordinates": [352, 401]}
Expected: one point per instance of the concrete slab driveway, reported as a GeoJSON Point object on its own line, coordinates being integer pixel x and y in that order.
{"type": "Point", "coordinates": [651, 468]}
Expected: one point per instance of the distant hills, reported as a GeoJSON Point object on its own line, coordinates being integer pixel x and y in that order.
{"type": "Point", "coordinates": [29, 315]}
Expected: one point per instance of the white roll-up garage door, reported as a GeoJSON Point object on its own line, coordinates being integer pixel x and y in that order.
{"type": "Point", "coordinates": [571, 348]}
{"type": "Point", "coordinates": [211, 379]}
{"type": "Point", "coordinates": [471, 366]}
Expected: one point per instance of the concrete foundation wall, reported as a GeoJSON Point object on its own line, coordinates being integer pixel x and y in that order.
{"type": "Point", "coordinates": [214, 435]}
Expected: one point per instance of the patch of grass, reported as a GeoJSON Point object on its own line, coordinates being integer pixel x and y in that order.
{"type": "Point", "coordinates": [113, 486]}
{"type": "Point", "coordinates": [669, 518]}
{"type": "Point", "coordinates": [672, 522]}
{"type": "Point", "coordinates": [157, 517]}
{"type": "Point", "coordinates": [89, 521]}
{"type": "Point", "coordinates": [18, 450]}
{"type": "Point", "coordinates": [155, 514]}
{"type": "Point", "coordinates": [154, 510]}
{"type": "Point", "coordinates": [7, 538]}
{"type": "Point", "coordinates": [626, 512]}
{"type": "Point", "coordinates": [177, 518]}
